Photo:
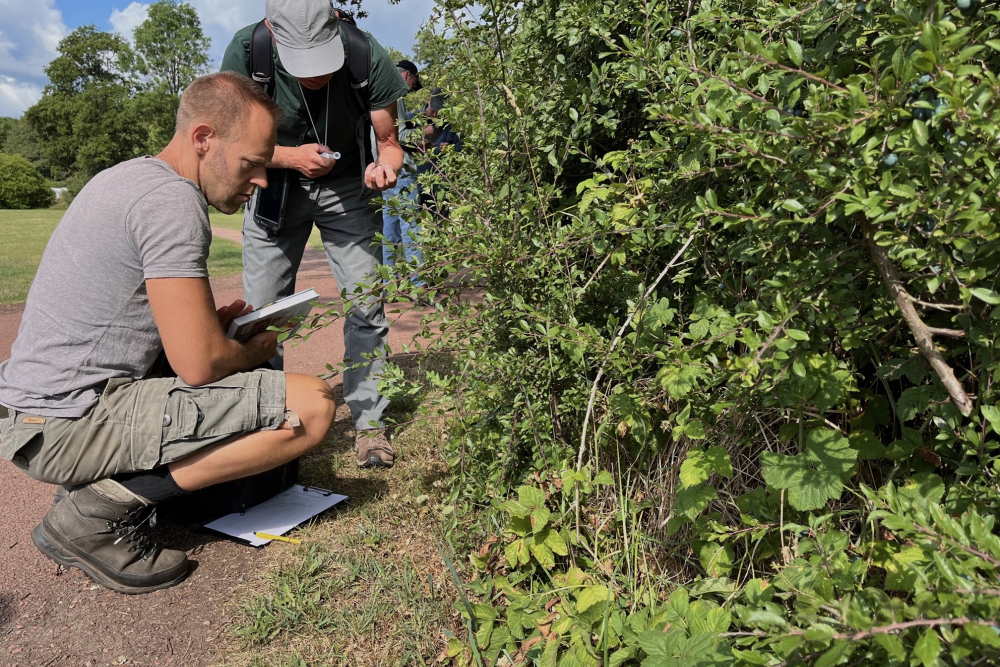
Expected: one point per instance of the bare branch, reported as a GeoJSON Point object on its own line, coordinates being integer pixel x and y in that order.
{"type": "Point", "coordinates": [921, 333]}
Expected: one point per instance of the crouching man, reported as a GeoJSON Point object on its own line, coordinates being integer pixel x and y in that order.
{"type": "Point", "coordinates": [123, 277]}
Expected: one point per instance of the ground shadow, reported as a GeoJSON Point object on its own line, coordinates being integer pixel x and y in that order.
{"type": "Point", "coordinates": [8, 609]}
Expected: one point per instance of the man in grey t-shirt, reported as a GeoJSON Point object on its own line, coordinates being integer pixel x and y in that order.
{"type": "Point", "coordinates": [123, 278]}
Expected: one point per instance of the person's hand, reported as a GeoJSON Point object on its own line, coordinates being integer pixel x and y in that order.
{"type": "Point", "coordinates": [262, 347]}
{"type": "Point", "coordinates": [229, 313]}
{"type": "Point", "coordinates": [308, 161]}
{"type": "Point", "coordinates": [379, 178]}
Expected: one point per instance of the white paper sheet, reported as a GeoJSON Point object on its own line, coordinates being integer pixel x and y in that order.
{"type": "Point", "coordinates": [278, 515]}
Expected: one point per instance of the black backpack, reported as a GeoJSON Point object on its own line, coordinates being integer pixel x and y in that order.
{"type": "Point", "coordinates": [357, 61]}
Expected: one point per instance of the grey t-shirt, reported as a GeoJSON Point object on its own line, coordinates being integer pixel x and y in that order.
{"type": "Point", "coordinates": [87, 318]}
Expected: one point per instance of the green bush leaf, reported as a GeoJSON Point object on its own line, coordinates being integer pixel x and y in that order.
{"type": "Point", "coordinates": [816, 475]}
{"type": "Point", "coordinates": [693, 501]}
{"type": "Point", "coordinates": [927, 648]}
{"type": "Point", "coordinates": [590, 596]}
{"type": "Point", "coordinates": [985, 295]}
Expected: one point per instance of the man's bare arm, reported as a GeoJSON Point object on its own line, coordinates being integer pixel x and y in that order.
{"type": "Point", "coordinates": [381, 175]}
{"type": "Point", "coordinates": [193, 339]}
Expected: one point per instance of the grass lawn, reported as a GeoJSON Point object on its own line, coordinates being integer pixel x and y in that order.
{"type": "Point", "coordinates": [369, 585]}
{"type": "Point", "coordinates": [23, 235]}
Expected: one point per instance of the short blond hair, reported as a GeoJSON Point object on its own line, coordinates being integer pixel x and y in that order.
{"type": "Point", "coordinates": [223, 100]}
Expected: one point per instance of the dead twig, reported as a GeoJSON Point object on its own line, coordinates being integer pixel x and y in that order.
{"type": "Point", "coordinates": [922, 334]}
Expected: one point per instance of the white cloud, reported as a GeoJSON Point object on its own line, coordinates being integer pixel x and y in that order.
{"type": "Point", "coordinates": [227, 15]}
{"type": "Point", "coordinates": [16, 96]}
{"type": "Point", "coordinates": [29, 35]}
{"type": "Point", "coordinates": [125, 21]}
{"type": "Point", "coordinates": [396, 25]}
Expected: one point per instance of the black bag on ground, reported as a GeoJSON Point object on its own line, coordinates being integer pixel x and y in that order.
{"type": "Point", "coordinates": [239, 495]}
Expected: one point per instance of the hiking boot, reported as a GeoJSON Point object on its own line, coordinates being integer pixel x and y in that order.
{"type": "Point", "coordinates": [374, 450]}
{"type": "Point", "coordinates": [103, 529]}
{"type": "Point", "coordinates": [62, 491]}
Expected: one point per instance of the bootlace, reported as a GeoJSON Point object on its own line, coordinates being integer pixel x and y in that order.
{"type": "Point", "coordinates": [134, 529]}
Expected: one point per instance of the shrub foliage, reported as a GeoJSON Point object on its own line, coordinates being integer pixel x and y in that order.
{"type": "Point", "coordinates": [21, 186]}
{"type": "Point", "coordinates": [728, 396]}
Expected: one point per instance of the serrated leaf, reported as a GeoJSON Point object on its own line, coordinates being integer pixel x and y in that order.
{"type": "Point", "coordinates": [816, 475]}
{"type": "Point", "coordinates": [927, 648]}
{"type": "Point", "coordinates": [542, 553]}
{"type": "Point", "coordinates": [794, 52]}
{"type": "Point", "coordinates": [835, 655]}
{"type": "Point", "coordinates": [719, 459]}
{"type": "Point", "coordinates": [869, 447]}
{"type": "Point", "coordinates": [621, 656]}
{"type": "Point", "coordinates": [555, 542]}
{"type": "Point", "coordinates": [678, 381]}
{"type": "Point", "coordinates": [550, 655]}
{"type": "Point", "coordinates": [913, 401]}
{"type": "Point", "coordinates": [604, 478]}
{"type": "Point", "coordinates": [692, 502]}
{"type": "Point", "coordinates": [531, 496]}
{"type": "Point", "coordinates": [590, 596]}
{"type": "Point", "coordinates": [514, 508]}
{"type": "Point", "coordinates": [539, 519]}
{"type": "Point", "coordinates": [716, 559]}
{"type": "Point", "coordinates": [695, 469]}
{"type": "Point", "coordinates": [695, 430]}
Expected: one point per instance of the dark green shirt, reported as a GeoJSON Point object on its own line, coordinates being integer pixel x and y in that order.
{"type": "Point", "coordinates": [386, 85]}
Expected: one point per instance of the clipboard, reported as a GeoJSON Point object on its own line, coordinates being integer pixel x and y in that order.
{"type": "Point", "coordinates": [277, 515]}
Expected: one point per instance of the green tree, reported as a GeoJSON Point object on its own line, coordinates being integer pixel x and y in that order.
{"type": "Point", "coordinates": [172, 50]}
{"type": "Point", "coordinates": [6, 125]}
{"type": "Point", "coordinates": [87, 119]}
{"type": "Point", "coordinates": [23, 140]}
{"type": "Point", "coordinates": [21, 186]}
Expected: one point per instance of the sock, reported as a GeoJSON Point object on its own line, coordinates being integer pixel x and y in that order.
{"type": "Point", "coordinates": [154, 485]}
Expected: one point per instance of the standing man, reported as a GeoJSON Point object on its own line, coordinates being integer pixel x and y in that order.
{"type": "Point", "coordinates": [400, 226]}
{"type": "Point", "coordinates": [123, 278]}
{"type": "Point", "coordinates": [312, 86]}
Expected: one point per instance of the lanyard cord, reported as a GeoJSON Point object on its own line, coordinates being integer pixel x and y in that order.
{"type": "Point", "coordinates": [326, 126]}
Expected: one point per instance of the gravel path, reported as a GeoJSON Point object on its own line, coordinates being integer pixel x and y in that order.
{"type": "Point", "coordinates": [52, 617]}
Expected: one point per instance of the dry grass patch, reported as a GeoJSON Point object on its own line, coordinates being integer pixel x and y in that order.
{"type": "Point", "coordinates": [369, 585]}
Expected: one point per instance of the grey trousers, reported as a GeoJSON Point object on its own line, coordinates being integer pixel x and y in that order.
{"type": "Point", "coordinates": [347, 224]}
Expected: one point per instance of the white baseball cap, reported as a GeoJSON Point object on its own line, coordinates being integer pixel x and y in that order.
{"type": "Point", "coordinates": [307, 35]}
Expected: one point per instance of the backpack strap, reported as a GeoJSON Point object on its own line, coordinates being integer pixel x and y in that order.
{"type": "Point", "coordinates": [261, 59]}
{"type": "Point", "coordinates": [358, 60]}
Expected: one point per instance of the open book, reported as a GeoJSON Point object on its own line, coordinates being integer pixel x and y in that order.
{"type": "Point", "coordinates": [279, 314]}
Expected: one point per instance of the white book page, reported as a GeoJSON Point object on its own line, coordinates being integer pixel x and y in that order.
{"type": "Point", "coordinates": [277, 515]}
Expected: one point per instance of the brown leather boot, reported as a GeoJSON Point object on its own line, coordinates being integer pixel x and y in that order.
{"type": "Point", "coordinates": [103, 529]}
{"type": "Point", "coordinates": [374, 449]}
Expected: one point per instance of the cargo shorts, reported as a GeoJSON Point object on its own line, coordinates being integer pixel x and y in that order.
{"type": "Point", "coordinates": [142, 424]}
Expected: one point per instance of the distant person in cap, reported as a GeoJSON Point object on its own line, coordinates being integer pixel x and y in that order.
{"type": "Point", "coordinates": [436, 136]}
{"type": "Point", "coordinates": [331, 178]}
{"type": "Point", "coordinates": [400, 225]}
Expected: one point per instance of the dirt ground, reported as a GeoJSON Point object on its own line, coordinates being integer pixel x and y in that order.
{"type": "Point", "coordinates": [50, 616]}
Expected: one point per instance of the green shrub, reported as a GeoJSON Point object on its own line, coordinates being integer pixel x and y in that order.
{"type": "Point", "coordinates": [732, 358]}
{"type": "Point", "coordinates": [21, 186]}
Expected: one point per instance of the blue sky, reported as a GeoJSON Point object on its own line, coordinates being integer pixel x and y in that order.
{"type": "Point", "coordinates": [31, 30]}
